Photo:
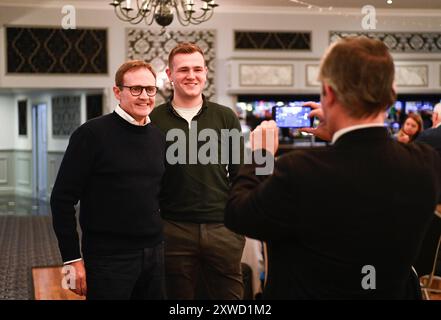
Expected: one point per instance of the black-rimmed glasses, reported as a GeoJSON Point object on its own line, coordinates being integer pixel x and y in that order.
{"type": "Point", "coordinates": [137, 90]}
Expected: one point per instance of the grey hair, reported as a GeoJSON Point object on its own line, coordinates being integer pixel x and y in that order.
{"type": "Point", "coordinates": [437, 109]}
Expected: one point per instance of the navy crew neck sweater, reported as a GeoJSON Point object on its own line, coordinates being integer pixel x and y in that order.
{"type": "Point", "coordinates": [115, 169]}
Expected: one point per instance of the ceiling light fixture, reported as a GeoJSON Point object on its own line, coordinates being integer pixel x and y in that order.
{"type": "Point", "coordinates": [164, 11]}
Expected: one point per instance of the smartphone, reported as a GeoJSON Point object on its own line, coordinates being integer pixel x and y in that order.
{"type": "Point", "coordinates": [292, 117]}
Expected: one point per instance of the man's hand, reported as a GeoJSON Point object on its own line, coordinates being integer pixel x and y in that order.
{"type": "Point", "coordinates": [265, 136]}
{"type": "Point", "coordinates": [80, 278]}
{"type": "Point", "coordinates": [322, 130]}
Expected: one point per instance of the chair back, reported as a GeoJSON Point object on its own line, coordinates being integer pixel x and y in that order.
{"type": "Point", "coordinates": [426, 262]}
{"type": "Point", "coordinates": [427, 258]}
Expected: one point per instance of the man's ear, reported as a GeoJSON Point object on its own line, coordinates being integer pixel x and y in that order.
{"type": "Point", "coordinates": [117, 93]}
{"type": "Point", "coordinates": [168, 72]}
{"type": "Point", "coordinates": [328, 94]}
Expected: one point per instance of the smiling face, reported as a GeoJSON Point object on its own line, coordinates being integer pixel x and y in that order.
{"type": "Point", "coordinates": [139, 107]}
{"type": "Point", "coordinates": [189, 75]}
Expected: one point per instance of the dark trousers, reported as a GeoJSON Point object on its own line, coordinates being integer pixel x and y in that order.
{"type": "Point", "coordinates": [203, 252]}
{"type": "Point", "coordinates": [131, 275]}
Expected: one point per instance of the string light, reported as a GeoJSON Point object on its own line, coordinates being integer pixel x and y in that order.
{"type": "Point", "coordinates": [311, 6]}
{"type": "Point", "coordinates": [430, 24]}
{"type": "Point", "coordinates": [320, 9]}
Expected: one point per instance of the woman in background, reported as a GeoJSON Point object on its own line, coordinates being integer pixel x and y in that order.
{"type": "Point", "coordinates": [412, 127]}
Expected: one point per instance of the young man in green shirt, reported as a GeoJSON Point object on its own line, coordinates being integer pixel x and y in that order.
{"type": "Point", "coordinates": [198, 246]}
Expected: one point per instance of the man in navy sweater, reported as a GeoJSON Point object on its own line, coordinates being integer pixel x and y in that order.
{"type": "Point", "coordinates": [113, 166]}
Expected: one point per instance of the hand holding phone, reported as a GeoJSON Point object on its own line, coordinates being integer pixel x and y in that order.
{"type": "Point", "coordinates": [292, 117]}
{"type": "Point", "coordinates": [322, 130]}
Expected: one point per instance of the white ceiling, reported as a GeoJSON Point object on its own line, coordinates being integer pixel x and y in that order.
{"type": "Point", "coordinates": [226, 4]}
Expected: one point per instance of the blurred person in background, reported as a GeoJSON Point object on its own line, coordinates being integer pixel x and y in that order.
{"type": "Point", "coordinates": [412, 127]}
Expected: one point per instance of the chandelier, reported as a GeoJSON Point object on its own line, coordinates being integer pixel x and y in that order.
{"type": "Point", "coordinates": [163, 11]}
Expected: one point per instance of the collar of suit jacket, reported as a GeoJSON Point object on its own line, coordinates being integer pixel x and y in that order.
{"type": "Point", "coordinates": [343, 131]}
{"type": "Point", "coordinates": [363, 134]}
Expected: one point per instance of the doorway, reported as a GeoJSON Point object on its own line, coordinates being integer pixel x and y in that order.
{"type": "Point", "coordinates": [39, 151]}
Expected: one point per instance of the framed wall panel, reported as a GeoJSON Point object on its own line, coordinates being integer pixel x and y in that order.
{"type": "Point", "coordinates": [266, 75]}
{"type": "Point", "coordinates": [412, 76]}
{"type": "Point", "coordinates": [24, 171]}
{"type": "Point", "coordinates": [3, 170]}
{"type": "Point", "coordinates": [311, 75]}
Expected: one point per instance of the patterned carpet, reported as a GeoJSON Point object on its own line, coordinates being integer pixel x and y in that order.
{"type": "Point", "coordinates": [25, 242]}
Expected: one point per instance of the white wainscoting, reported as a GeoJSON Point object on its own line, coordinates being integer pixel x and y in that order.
{"type": "Point", "coordinates": [6, 172]}
{"type": "Point", "coordinates": [23, 172]}
{"type": "Point", "coordinates": [16, 176]}
{"type": "Point", "coordinates": [53, 164]}
{"type": "Point", "coordinates": [3, 170]}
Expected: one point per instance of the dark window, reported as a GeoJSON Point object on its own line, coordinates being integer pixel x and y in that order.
{"type": "Point", "coordinates": [272, 40]}
{"type": "Point", "coordinates": [22, 118]}
{"type": "Point", "coordinates": [56, 51]}
{"type": "Point", "coordinates": [94, 106]}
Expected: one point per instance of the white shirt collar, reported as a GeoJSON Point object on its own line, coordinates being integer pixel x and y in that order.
{"type": "Point", "coordinates": [123, 114]}
{"type": "Point", "coordinates": [439, 124]}
{"type": "Point", "coordinates": [343, 131]}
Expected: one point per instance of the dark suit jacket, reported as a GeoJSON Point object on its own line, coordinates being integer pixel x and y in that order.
{"type": "Point", "coordinates": [432, 137]}
{"type": "Point", "coordinates": [328, 213]}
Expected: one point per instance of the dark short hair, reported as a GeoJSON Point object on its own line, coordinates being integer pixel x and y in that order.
{"type": "Point", "coordinates": [184, 48]}
{"type": "Point", "coordinates": [130, 65]}
{"type": "Point", "coordinates": [361, 72]}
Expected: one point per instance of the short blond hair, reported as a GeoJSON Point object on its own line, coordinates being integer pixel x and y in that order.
{"type": "Point", "coordinates": [361, 72]}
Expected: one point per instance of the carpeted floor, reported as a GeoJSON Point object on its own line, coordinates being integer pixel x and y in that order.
{"type": "Point", "coordinates": [25, 242]}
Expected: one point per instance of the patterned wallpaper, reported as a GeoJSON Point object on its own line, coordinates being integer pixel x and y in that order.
{"type": "Point", "coordinates": [399, 42]}
{"type": "Point", "coordinates": [154, 47]}
{"type": "Point", "coordinates": [56, 51]}
{"type": "Point", "coordinates": [65, 115]}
